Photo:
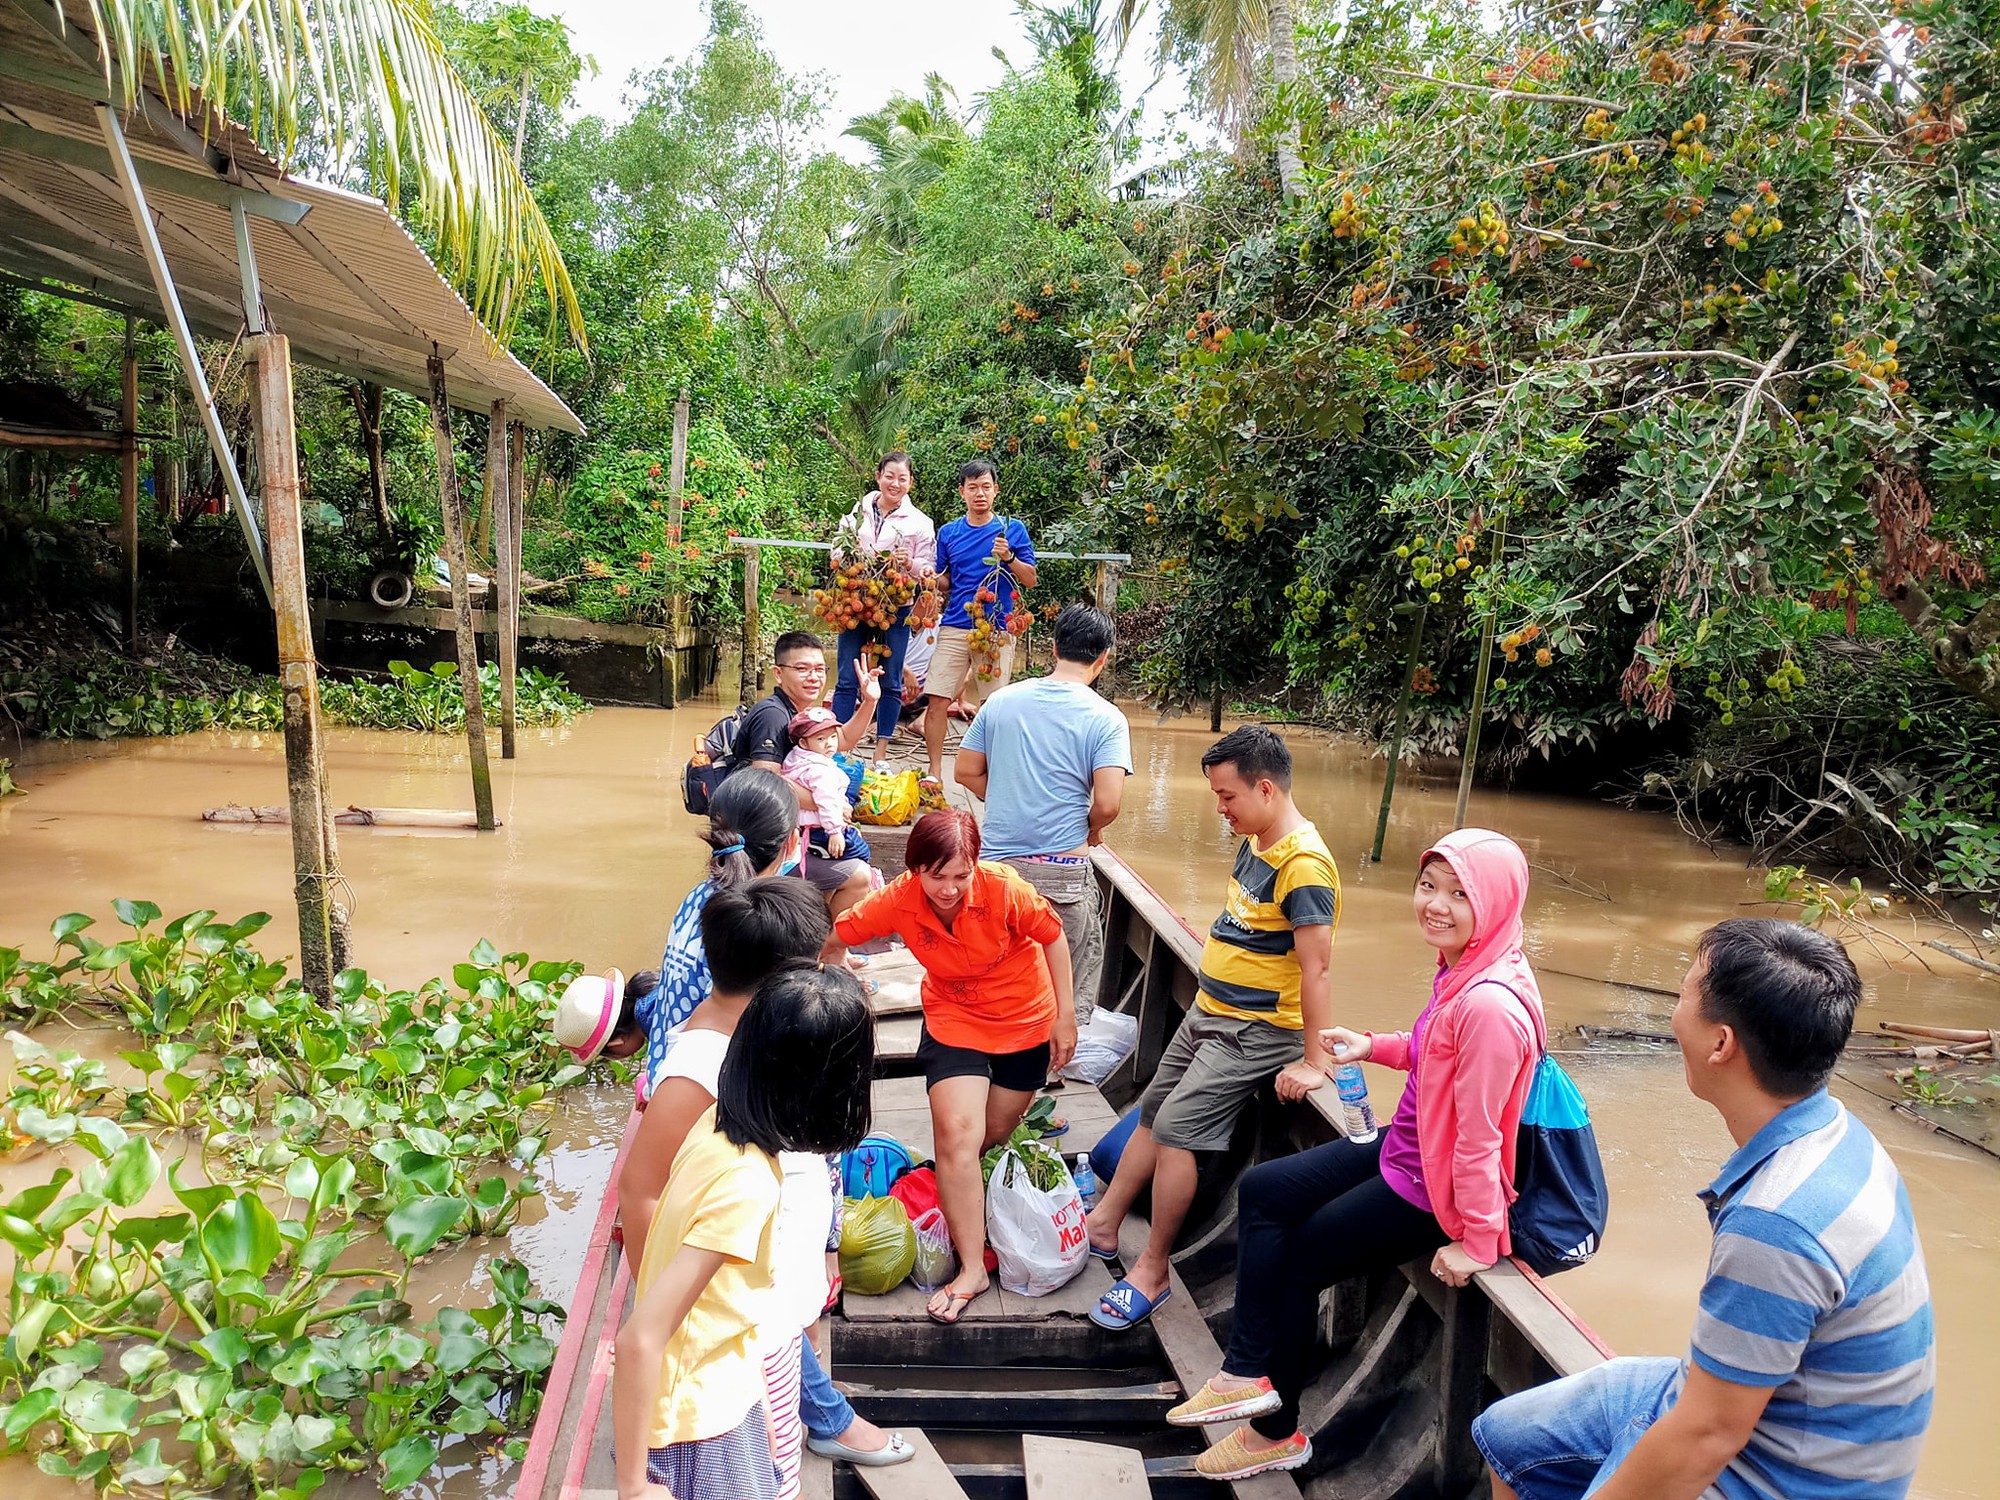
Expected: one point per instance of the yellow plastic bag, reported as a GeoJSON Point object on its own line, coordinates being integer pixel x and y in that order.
{"type": "Point", "coordinates": [888, 798]}
{"type": "Point", "coordinates": [877, 1245]}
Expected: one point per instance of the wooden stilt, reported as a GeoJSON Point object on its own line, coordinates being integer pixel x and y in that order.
{"type": "Point", "coordinates": [677, 605]}
{"type": "Point", "coordinates": [1215, 712]}
{"type": "Point", "coordinates": [167, 463]}
{"type": "Point", "coordinates": [517, 473]}
{"type": "Point", "coordinates": [501, 591]}
{"type": "Point", "coordinates": [128, 487]}
{"type": "Point", "coordinates": [461, 597]}
{"type": "Point", "coordinates": [315, 863]}
{"type": "Point", "coordinates": [1396, 735]}
{"type": "Point", "coordinates": [753, 631]}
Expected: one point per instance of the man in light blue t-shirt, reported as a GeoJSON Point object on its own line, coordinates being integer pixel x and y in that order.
{"type": "Point", "coordinates": [1050, 758]}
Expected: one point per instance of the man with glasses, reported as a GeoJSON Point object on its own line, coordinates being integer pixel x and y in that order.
{"type": "Point", "coordinates": [765, 739]}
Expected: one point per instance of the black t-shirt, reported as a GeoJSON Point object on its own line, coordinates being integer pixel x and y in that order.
{"type": "Point", "coordinates": [767, 733]}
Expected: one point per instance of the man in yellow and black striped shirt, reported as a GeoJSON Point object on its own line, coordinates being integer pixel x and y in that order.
{"type": "Point", "coordinates": [1265, 997]}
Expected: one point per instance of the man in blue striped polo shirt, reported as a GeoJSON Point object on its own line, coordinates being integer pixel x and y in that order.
{"type": "Point", "coordinates": [1812, 1365]}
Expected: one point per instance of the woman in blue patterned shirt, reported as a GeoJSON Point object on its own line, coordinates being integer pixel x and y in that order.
{"type": "Point", "coordinates": [752, 830]}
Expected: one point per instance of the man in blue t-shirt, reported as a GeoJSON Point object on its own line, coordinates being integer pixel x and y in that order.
{"type": "Point", "coordinates": [1050, 758]}
{"type": "Point", "coordinates": [1810, 1373]}
{"type": "Point", "coordinates": [983, 558]}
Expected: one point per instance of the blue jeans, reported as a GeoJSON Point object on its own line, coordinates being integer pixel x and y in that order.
{"type": "Point", "coordinates": [826, 1413]}
{"type": "Point", "coordinates": [1564, 1440]}
{"type": "Point", "coordinates": [847, 688]}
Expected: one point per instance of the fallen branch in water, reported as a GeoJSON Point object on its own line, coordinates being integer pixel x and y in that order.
{"type": "Point", "coordinates": [352, 817]}
{"type": "Point", "coordinates": [1963, 957]}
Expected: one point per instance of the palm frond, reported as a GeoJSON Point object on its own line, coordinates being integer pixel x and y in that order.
{"type": "Point", "coordinates": [372, 77]}
{"type": "Point", "coordinates": [1229, 36]}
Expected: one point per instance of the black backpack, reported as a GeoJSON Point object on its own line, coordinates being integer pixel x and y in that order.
{"type": "Point", "coordinates": [712, 762]}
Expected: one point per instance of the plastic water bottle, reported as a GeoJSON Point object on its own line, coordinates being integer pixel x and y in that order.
{"type": "Point", "coordinates": [1353, 1090]}
{"type": "Point", "coordinates": [1086, 1180]}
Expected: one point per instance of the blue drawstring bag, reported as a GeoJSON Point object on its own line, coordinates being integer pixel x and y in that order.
{"type": "Point", "coordinates": [871, 1168]}
{"type": "Point", "coordinates": [857, 772]}
{"type": "Point", "coordinates": [1562, 1201]}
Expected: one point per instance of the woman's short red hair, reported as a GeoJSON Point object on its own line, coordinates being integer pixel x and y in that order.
{"type": "Point", "coordinates": [941, 837]}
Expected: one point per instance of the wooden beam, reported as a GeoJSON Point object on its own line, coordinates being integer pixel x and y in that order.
{"type": "Point", "coordinates": [677, 604]}
{"type": "Point", "coordinates": [1064, 1469]}
{"type": "Point", "coordinates": [924, 1477]}
{"type": "Point", "coordinates": [461, 596]}
{"type": "Point", "coordinates": [60, 439]}
{"type": "Point", "coordinates": [753, 632]}
{"type": "Point", "coordinates": [128, 487]}
{"type": "Point", "coordinates": [517, 474]}
{"type": "Point", "coordinates": [315, 863]}
{"type": "Point", "coordinates": [161, 177]}
{"type": "Point", "coordinates": [1090, 1408]}
{"type": "Point", "coordinates": [499, 469]}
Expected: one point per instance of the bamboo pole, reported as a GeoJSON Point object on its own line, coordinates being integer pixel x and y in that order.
{"type": "Point", "coordinates": [501, 589]}
{"type": "Point", "coordinates": [1396, 736]}
{"type": "Point", "coordinates": [753, 631]}
{"type": "Point", "coordinates": [461, 596]}
{"type": "Point", "coordinates": [128, 487]}
{"type": "Point", "coordinates": [315, 860]}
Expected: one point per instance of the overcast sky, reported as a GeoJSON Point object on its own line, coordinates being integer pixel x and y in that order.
{"type": "Point", "coordinates": [867, 49]}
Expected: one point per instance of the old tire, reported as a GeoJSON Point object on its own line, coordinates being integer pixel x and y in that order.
{"type": "Point", "coordinates": [392, 590]}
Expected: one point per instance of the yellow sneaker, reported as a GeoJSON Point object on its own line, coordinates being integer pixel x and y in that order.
{"type": "Point", "coordinates": [1211, 1404]}
{"type": "Point", "coordinates": [1233, 1458]}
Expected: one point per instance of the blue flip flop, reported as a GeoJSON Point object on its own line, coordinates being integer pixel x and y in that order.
{"type": "Point", "coordinates": [1107, 1256]}
{"type": "Point", "coordinates": [1125, 1306]}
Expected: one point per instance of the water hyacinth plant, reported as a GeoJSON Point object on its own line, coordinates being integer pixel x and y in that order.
{"type": "Point", "coordinates": [212, 1291]}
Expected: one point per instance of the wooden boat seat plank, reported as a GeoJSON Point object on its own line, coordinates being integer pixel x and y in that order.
{"type": "Point", "coordinates": [924, 1477]}
{"type": "Point", "coordinates": [1059, 1468]}
{"type": "Point", "coordinates": [896, 1038]}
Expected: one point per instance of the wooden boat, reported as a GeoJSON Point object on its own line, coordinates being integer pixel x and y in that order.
{"type": "Point", "coordinates": [1026, 1395]}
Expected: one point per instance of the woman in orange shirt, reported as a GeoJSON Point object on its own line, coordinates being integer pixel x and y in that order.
{"type": "Point", "coordinates": [999, 1016]}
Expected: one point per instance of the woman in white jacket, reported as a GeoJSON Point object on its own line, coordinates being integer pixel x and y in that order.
{"type": "Point", "coordinates": [884, 520]}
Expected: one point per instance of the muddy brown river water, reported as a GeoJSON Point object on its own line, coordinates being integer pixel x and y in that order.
{"type": "Point", "coordinates": [595, 853]}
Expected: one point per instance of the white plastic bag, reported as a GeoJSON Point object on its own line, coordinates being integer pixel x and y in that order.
{"type": "Point", "coordinates": [1036, 1233]}
{"type": "Point", "coordinates": [936, 1264]}
{"type": "Point", "coordinates": [1105, 1042]}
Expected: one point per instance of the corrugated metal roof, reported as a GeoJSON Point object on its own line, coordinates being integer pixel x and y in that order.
{"type": "Point", "coordinates": [347, 285]}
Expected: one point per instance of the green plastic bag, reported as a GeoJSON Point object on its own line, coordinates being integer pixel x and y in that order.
{"type": "Point", "coordinates": [877, 1245]}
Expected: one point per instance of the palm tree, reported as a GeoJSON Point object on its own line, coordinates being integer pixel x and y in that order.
{"type": "Point", "coordinates": [366, 80]}
{"type": "Point", "coordinates": [1227, 36]}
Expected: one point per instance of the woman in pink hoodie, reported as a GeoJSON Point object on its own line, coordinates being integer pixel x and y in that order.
{"type": "Point", "coordinates": [1437, 1182]}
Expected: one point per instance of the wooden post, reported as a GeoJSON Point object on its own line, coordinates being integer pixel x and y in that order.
{"type": "Point", "coordinates": [315, 863]}
{"type": "Point", "coordinates": [1215, 712]}
{"type": "Point", "coordinates": [1107, 587]}
{"type": "Point", "coordinates": [753, 630]}
{"type": "Point", "coordinates": [167, 463]}
{"type": "Point", "coordinates": [677, 604]}
{"type": "Point", "coordinates": [461, 597]}
{"type": "Point", "coordinates": [1477, 719]}
{"type": "Point", "coordinates": [501, 591]}
{"type": "Point", "coordinates": [128, 487]}
{"type": "Point", "coordinates": [517, 473]}
{"type": "Point", "coordinates": [1396, 735]}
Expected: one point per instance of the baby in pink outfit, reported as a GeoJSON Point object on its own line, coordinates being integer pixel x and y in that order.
{"type": "Point", "coordinates": [815, 736]}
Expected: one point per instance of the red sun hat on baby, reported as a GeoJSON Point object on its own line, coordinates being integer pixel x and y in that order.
{"type": "Point", "coordinates": [811, 721]}
{"type": "Point", "coordinates": [588, 1011]}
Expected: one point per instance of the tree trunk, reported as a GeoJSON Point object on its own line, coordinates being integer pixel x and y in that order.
{"type": "Point", "coordinates": [368, 409]}
{"type": "Point", "coordinates": [1285, 71]}
{"type": "Point", "coordinates": [128, 486]}
{"type": "Point", "coordinates": [521, 119]}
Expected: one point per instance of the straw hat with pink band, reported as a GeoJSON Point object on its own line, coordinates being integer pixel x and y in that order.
{"type": "Point", "coordinates": [588, 1012]}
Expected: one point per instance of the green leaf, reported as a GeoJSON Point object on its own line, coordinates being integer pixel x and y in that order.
{"type": "Point", "coordinates": [146, 1467]}
{"type": "Point", "coordinates": [458, 1352]}
{"type": "Point", "coordinates": [403, 1350]}
{"type": "Point", "coordinates": [27, 1240]}
{"type": "Point", "coordinates": [141, 1360]}
{"type": "Point", "coordinates": [256, 922]}
{"type": "Point", "coordinates": [312, 1434]}
{"type": "Point", "coordinates": [30, 1202]}
{"type": "Point", "coordinates": [132, 1171]}
{"type": "Point", "coordinates": [407, 1462]}
{"type": "Point", "coordinates": [531, 1354]}
{"type": "Point", "coordinates": [203, 1201]}
{"type": "Point", "coordinates": [336, 1181]}
{"type": "Point", "coordinates": [24, 1414]}
{"type": "Point", "coordinates": [485, 954]}
{"type": "Point", "coordinates": [226, 1347]}
{"type": "Point", "coordinates": [102, 1137]}
{"type": "Point", "coordinates": [418, 1225]}
{"type": "Point", "coordinates": [430, 1142]}
{"type": "Point", "coordinates": [243, 1235]}
{"type": "Point", "coordinates": [69, 924]}
{"type": "Point", "coordinates": [135, 913]}
{"type": "Point", "coordinates": [302, 1178]}
{"type": "Point", "coordinates": [100, 1409]}
{"type": "Point", "coordinates": [67, 1211]}
{"type": "Point", "coordinates": [150, 1234]}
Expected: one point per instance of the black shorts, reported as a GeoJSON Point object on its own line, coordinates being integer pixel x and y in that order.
{"type": "Point", "coordinates": [1024, 1071]}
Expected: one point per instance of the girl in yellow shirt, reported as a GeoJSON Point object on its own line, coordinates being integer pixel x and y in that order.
{"type": "Point", "coordinates": [688, 1397]}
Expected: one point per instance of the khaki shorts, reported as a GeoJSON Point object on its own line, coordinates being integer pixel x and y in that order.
{"type": "Point", "coordinates": [1072, 890]}
{"type": "Point", "coordinates": [951, 668]}
{"type": "Point", "coordinates": [1211, 1069]}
